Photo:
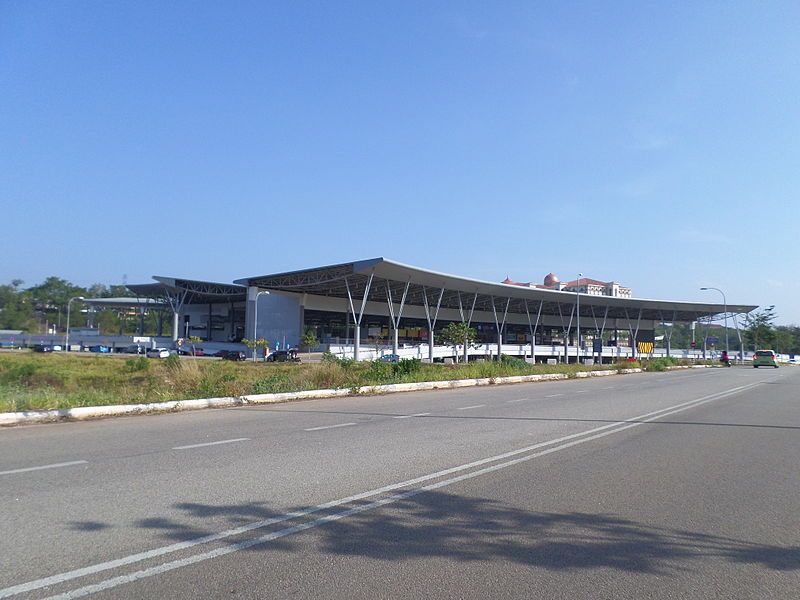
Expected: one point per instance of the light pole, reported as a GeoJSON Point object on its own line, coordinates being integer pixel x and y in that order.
{"type": "Point", "coordinates": [578, 311]}
{"type": "Point", "coordinates": [725, 308]}
{"type": "Point", "coordinates": [66, 339]}
{"type": "Point", "coordinates": [255, 323]}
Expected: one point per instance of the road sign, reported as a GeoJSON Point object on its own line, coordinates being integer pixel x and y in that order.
{"type": "Point", "coordinates": [694, 344]}
{"type": "Point", "coordinates": [712, 340]}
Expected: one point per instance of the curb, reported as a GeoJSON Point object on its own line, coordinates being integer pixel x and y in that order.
{"type": "Point", "coordinates": [96, 412]}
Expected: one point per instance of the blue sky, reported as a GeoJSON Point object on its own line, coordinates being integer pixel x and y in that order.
{"type": "Point", "coordinates": [651, 143]}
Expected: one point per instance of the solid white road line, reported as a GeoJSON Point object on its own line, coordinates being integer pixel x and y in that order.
{"type": "Point", "coordinates": [53, 466]}
{"type": "Point", "coordinates": [210, 444]}
{"type": "Point", "coordinates": [409, 416]}
{"type": "Point", "coordinates": [328, 427]}
{"type": "Point", "coordinates": [149, 554]}
{"type": "Point", "coordinates": [470, 407]}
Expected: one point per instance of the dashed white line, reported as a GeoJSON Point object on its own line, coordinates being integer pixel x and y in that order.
{"type": "Point", "coordinates": [518, 400]}
{"type": "Point", "coordinates": [581, 391]}
{"type": "Point", "coordinates": [470, 407]}
{"type": "Point", "coordinates": [410, 416]}
{"type": "Point", "coordinates": [53, 466]}
{"type": "Point", "coordinates": [554, 395]}
{"type": "Point", "coordinates": [329, 427]}
{"type": "Point", "coordinates": [210, 444]}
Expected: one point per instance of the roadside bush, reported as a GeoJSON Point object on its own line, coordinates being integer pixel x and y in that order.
{"type": "Point", "coordinates": [407, 366]}
{"type": "Point", "coordinates": [513, 361]}
{"type": "Point", "coordinates": [173, 362]}
{"type": "Point", "coordinates": [137, 364]}
{"type": "Point", "coordinates": [378, 372]}
{"type": "Point", "coordinates": [273, 384]}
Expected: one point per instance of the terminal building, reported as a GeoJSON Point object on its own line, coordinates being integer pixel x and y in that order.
{"type": "Point", "coordinates": [367, 308]}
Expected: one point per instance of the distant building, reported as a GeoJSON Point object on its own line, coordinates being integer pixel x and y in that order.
{"type": "Point", "coordinates": [584, 285]}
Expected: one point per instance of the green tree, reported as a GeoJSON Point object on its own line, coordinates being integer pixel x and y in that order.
{"type": "Point", "coordinates": [759, 331]}
{"type": "Point", "coordinates": [259, 343]}
{"type": "Point", "coordinates": [309, 339]}
{"type": "Point", "coordinates": [457, 334]}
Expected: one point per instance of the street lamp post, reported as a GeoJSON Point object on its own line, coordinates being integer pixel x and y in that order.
{"type": "Point", "coordinates": [255, 323]}
{"type": "Point", "coordinates": [725, 308]}
{"type": "Point", "coordinates": [66, 339]}
{"type": "Point", "coordinates": [578, 311]}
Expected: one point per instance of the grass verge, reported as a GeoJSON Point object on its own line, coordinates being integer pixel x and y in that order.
{"type": "Point", "coordinates": [31, 381]}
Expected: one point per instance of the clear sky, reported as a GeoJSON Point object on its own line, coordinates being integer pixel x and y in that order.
{"type": "Point", "coordinates": [657, 144]}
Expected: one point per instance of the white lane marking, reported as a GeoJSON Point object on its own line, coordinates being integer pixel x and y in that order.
{"type": "Point", "coordinates": [581, 391]}
{"type": "Point", "coordinates": [518, 400]}
{"type": "Point", "coordinates": [148, 554]}
{"type": "Point", "coordinates": [607, 388]}
{"type": "Point", "coordinates": [592, 434]}
{"type": "Point", "coordinates": [329, 427]}
{"type": "Point", "coordinates": [554, 395]}
{"type": "Point", "coordinates": [210, 444]}
{"type": "Point", "coordinates": [470, 407]}
{"type": "Point", "coordinates": [409, 416]}
{"type": "Point", "coordinates": [53, 466]}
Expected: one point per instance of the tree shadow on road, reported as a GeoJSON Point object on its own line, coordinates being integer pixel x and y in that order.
{"type": "Point", "coordinates": [434, 524]}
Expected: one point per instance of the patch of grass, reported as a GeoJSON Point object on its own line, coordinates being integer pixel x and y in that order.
{"type": "Point", "coordinates": [31, 381]}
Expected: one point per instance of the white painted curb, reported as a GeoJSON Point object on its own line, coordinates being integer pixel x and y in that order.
{"type": "Point", "coordinates": [96, 412]}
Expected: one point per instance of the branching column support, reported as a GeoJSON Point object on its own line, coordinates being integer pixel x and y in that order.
{"type": "Point", "coordinates": [175, 302]}
{"type": "Point", "coordinates": [468, 321]}
{"type": "Point", "coordinates": [566, 329]}
{"type": "Point", "coordinates": [599, 331]}
{"type": "Point", "coordinates": [431, 317]}
{"type": "Point", "coordinates": [358, 315]}
{"type": "Point", "coordinates": [395, 317]}
{"type": "Point", "coordinates": [500, 325]}
{"type": "Point", "coordinates": [533, 327]}
{"type": "Point", "coordinates": [634, 333]}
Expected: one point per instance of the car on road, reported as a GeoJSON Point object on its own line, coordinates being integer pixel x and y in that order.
{"type": "Point", "coordinates": [134, 349]}
{"type": "Point", "coordinates": [765, 358]}
{"type": "Point", "coordinates": [392, 358]}
{"type": "Point", "coordinates": [42, 348]}
{"type": "Point", "coordinates": [283, 356]}
{"type": "Point", "coordinates": [189, 351]}
{"type": "Point", "coordinates": [234, 355]}
{"type": "Point", "coordinates": [158, 353]}
{"type": "Point", "coordinates": [99, 348]}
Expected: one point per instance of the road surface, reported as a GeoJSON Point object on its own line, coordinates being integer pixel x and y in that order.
{"type": "Point", "coordinates": [661, 485]}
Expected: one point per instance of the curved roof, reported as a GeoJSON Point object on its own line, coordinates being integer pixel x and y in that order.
{"type": "Point", "coordinates": [192, 291]}
{"type": "Point", "coordinates": [334, 281]}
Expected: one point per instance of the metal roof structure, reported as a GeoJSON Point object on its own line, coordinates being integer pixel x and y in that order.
{"type": "Point", "coordinates": [126, 302]}
{"type": "Point", "coordinates": [189, 291]}
{"type": "Point", "coordinates": [375, 279]}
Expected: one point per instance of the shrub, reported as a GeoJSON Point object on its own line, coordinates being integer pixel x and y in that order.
{"type": "Point", "coordinates": [173, 362]}
{"type": "Point", "coordinates": [407, 366]}
{"type": "Point", "coordinates": [137, 364]}
{"type": "Point", "coordinates": [273, 384]}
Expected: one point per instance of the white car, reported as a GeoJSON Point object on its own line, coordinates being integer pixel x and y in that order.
{"type": "Point", "coordinates": [158, 353]}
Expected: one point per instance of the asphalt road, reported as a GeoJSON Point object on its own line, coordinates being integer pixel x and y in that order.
{"type": "Point", "coordinates": [664, 485]}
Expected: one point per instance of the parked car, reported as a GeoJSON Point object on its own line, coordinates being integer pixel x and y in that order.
{"type": "Point", "coordinates": [158, 353]}
{"type": "Point", "coordinates": [99, 348]}
{"type": "Point", "coordinates": [765, 358]}
{"type": "Point", "coordinates": [42, 348]}
{"type": "Point", "coordinates": [234, 355]}
{"type": "Point", "coordinates": [189, 351]}
{"type": "Point", "coordinates": [390, 358]}
{"type": "Point", "coordinates": [283, 356]}
{"type": "Point", "coordinates": [135, 349]}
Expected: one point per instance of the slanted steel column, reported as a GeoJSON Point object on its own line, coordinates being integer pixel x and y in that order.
{"type": "Point", "coordinates": [395, 318]}
{"type": "Point", "coordinates": [500, 325]}
{"type": "Point", "coordinates": [566, 330]}
{"type": "Point", "coordinates": [468, 321]}
{"type": "Point", "coordinates": [431, 319]}
{"type": "Point", "coordinates": [634, 333]}
{"type": "Point", "coordinates": [357, 316]}
{"type": "Point", "coordinates": [533, 328]}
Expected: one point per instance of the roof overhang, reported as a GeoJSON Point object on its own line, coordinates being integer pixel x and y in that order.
{"type": "Point", "coordinates": [189, 291]}
{"type": "Point", "coordinates": [380, 274]}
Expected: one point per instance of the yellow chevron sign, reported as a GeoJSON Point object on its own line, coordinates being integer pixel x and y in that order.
{"type": "Point", "coordinates": [645, 347]}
